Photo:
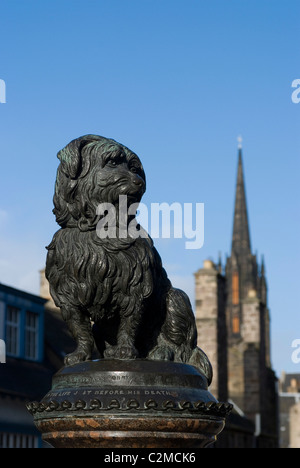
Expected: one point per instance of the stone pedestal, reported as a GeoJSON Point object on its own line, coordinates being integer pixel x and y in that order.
{"type": "Point", "coordinates": [129, 404]}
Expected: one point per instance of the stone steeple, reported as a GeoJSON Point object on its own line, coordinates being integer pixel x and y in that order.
{"type": "Point", "coordinates": [233, 323]}
{"type": "Point", "coordinates": [241, 245]}
{"type": "Point", "coordinates": [241, 266]}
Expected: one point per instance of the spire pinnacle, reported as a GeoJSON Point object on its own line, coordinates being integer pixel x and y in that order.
{"type": "Point", "coordinates": [241, 236]}
{"type": "Point", "coordinates": [240, 141]}
{"type": "Point", "coordinates": [263, 268]}
{"type": "Point", "coordinates": [220, 268]}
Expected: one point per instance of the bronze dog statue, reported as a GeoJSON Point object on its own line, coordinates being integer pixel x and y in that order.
{"type": "Point", "coordinates": [117, 283]}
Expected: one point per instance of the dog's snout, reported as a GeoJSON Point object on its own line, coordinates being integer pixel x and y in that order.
{"type": "Point", "coordinates": [138, 181]}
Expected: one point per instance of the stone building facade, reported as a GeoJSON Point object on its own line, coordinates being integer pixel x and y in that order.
{"type": "Point", "coordinates": [233, 323]}
{"type": "Point", "coordinates": [36, 340]}
{"type": "Point", "coordinates": [289, 397]}
{"type": "Point", "coordinates": [295, 426]}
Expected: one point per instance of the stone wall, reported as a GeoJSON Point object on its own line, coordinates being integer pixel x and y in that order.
{"type": "Point", "coordinates": [295, 426]}
{"type": "Point", "coordinates": [211, 324]}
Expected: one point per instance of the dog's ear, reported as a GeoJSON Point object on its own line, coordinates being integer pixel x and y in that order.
{"type": "Point", "coordinates": [74, 164]}
{"type": "Point", "coordinates": [70, 159]}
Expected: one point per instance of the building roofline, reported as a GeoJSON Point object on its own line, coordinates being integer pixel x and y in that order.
{"type": "Point", "coordinates": [18, 292]}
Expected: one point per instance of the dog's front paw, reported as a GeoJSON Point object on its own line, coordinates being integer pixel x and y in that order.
{"type": "Point", "coordinates": [76, 357]}
{"type": "Point", "coordinates": [121, 352]}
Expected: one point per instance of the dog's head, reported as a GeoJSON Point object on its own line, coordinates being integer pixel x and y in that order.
{"type": "Point", "coordinates": [94, 170]}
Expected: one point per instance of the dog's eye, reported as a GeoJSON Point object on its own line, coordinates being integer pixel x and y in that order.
{"type": "Point", "coordinates": [135, 169]}
{"type": "Point", "coordinates": [112, 163]}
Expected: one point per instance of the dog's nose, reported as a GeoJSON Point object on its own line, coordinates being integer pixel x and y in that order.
{"type": "Point", "coordinates": [138, 181]}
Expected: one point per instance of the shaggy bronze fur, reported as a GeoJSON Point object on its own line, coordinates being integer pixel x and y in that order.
{"type": "Point", "coordinates": [117, 283]}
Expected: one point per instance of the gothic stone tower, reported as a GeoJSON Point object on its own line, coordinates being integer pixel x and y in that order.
{"type": "Point", "coordinates": [232, 315]}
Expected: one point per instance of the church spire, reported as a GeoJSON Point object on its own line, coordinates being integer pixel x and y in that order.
{"type": "Point", "coordinates": [241, 245]}
{"type": "Point", "coordinates": [263, 283]}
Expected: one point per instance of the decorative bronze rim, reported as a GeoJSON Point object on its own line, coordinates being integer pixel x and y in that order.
{"type": "Point", "coordinates": [200, 408]}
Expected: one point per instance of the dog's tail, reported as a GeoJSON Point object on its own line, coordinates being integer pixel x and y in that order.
{"type": "Point", "coordinates": [179, 333]}
{"type": "Point", "coordinates": [180, 326]}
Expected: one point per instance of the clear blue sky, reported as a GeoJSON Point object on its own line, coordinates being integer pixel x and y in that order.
{"type": "Point", "coordinates": [177, 81]}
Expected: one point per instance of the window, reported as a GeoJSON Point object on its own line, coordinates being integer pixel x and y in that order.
{"type": "Point", "coordinates": [13, 331]}
{"type": "Point", "coordinates": [22, 333]}
{"type": "Point", "coordinates": [236, 325]}
{"type": "Point", "coordinates": [8, 440]}
{"type": "Point", "coordinates": [235, 288]}
{"type": "Point", "coordinates": [31, 335]}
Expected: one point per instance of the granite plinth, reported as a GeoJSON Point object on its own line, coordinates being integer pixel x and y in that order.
{"type": "Point", "coordinates": [129, 404]}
